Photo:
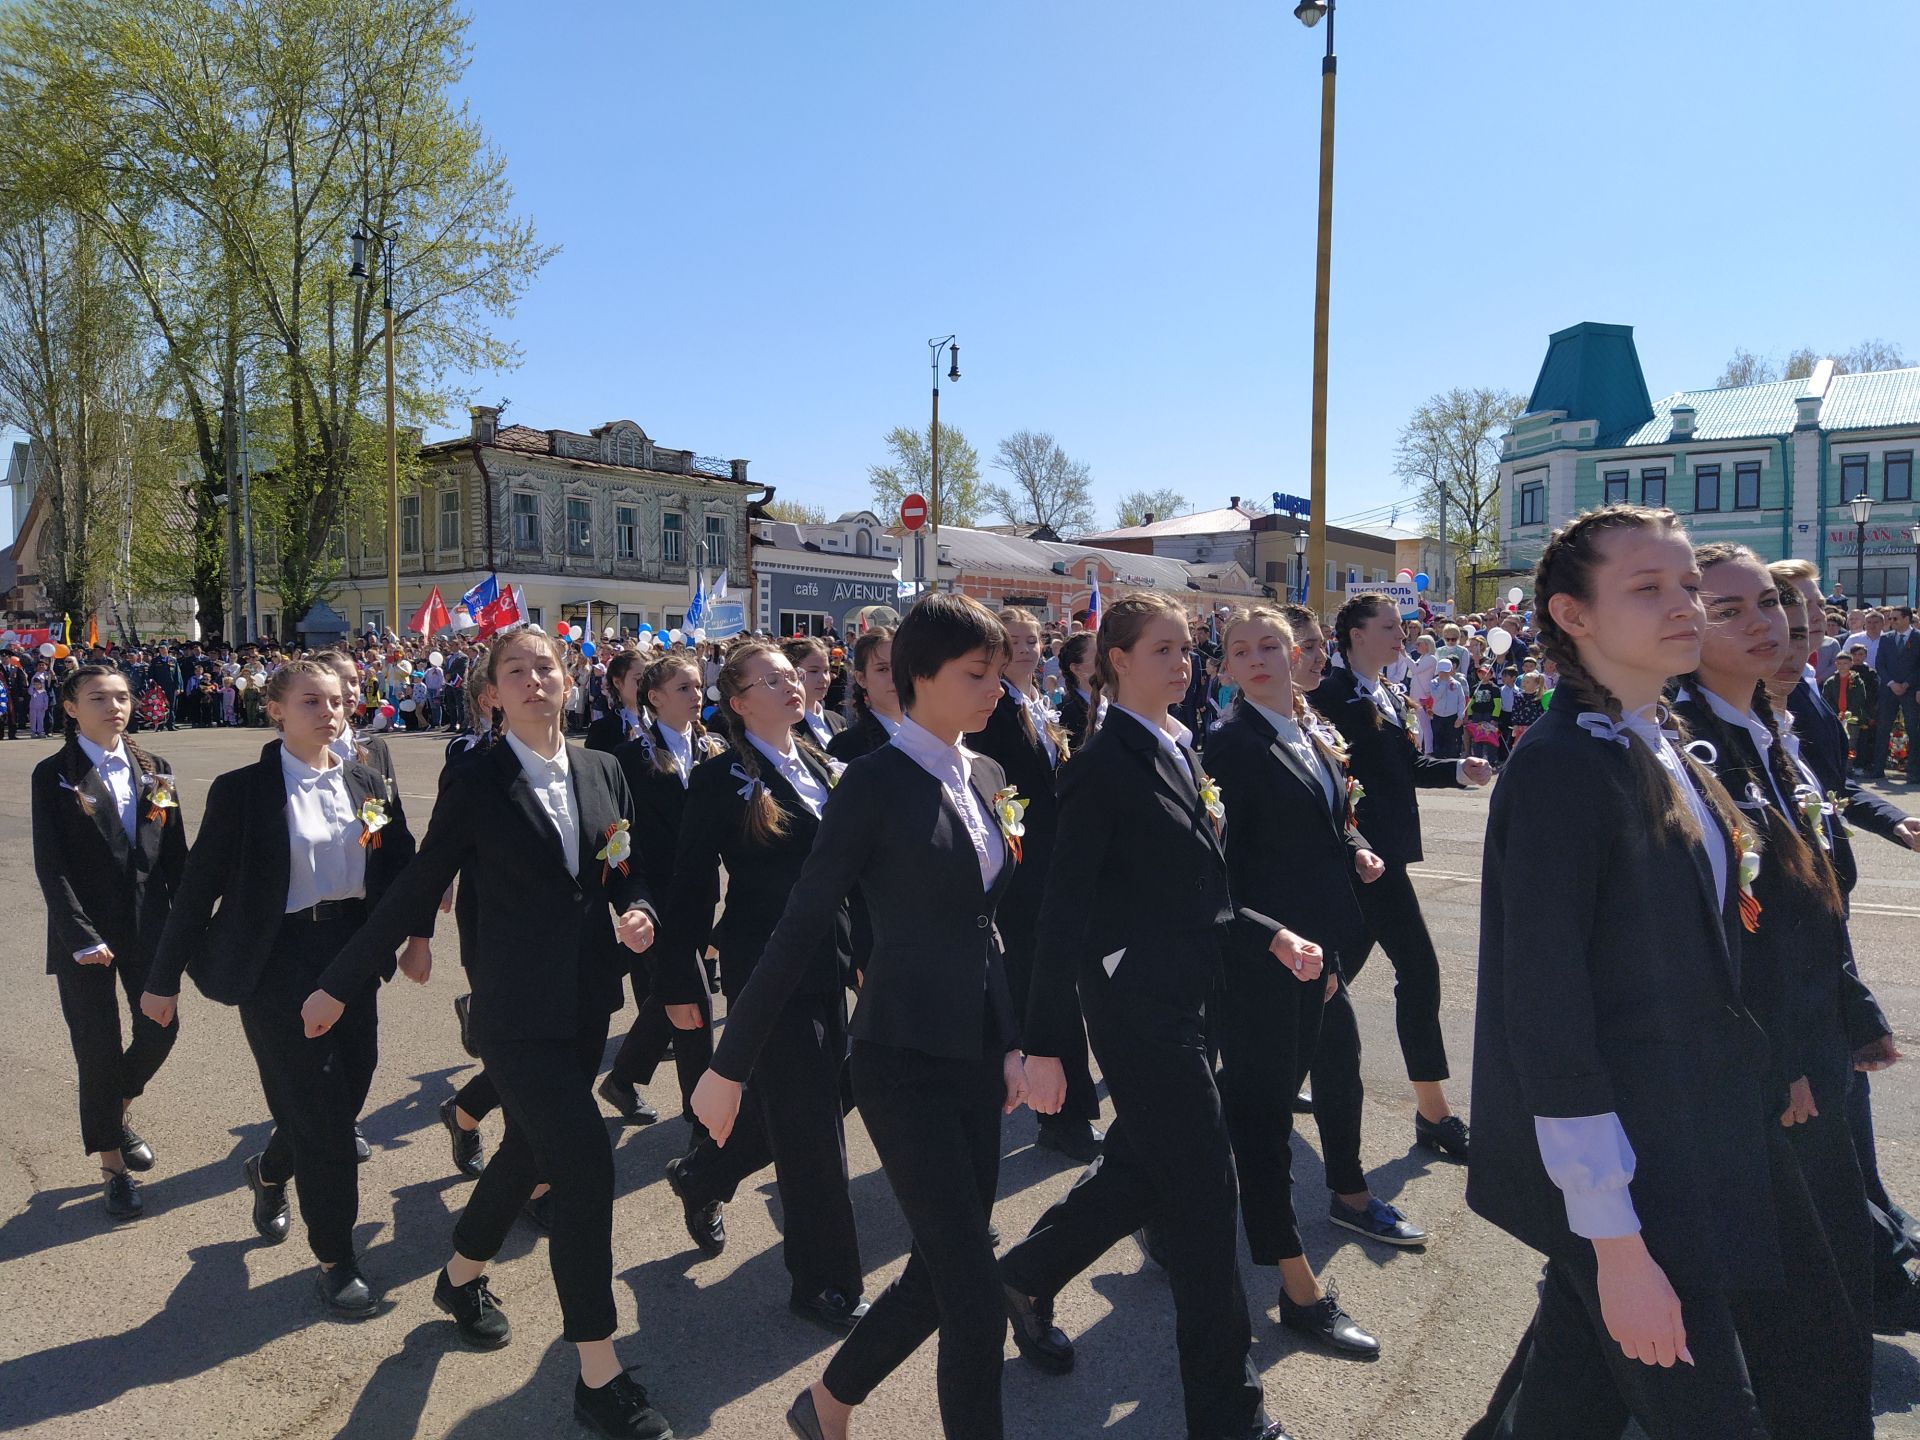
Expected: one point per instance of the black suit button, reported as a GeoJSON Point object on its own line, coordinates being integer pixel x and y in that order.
{"type": "Point", "coordinates": [1200, 883]}
{"type": "Point", "coordinates": [981, 922]}
{"type": "Point", "coordinates": [579, 897]}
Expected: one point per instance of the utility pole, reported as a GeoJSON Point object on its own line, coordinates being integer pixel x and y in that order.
{"type": "Point", "coordinates": [246, 519]}
{"type": "Point", "coordinates": [236, 579]}
{"type": "Point", "coordinates": [1445, 575]}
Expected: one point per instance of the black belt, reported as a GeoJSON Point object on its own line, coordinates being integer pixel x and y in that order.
{"type": "Point", "coordinates": [329, 910]}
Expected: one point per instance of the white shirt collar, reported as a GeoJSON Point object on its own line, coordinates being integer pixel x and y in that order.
{"type": "Point", "coordinates": [536, 764]}
{"type": "Point", "coordinates": [297, 770]}
{"type": "Point", "coordinates": [788, 762]}
{"type": "Point", "coordinates": [930, 752]}
{"type": "Point", "coordinates": [1171, 734]}
{"type": "Point", "coordinates": [892, 727]}
{"type": "Point", "coordinates": [1750, 722]}
{"type": "Point", "coordinates": [1285, 726]}
{"type": "Point", "coordinates": [102, 758]}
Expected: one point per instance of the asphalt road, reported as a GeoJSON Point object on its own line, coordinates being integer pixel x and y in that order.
{"type": "Point", "coordinates": [183, 1323]}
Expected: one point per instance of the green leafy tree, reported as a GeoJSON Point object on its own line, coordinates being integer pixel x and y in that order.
{"type": "Point", "coordinates": [795, 513]}
{"type": "Point", "coordinates": [1137, 505]}
{"type": "Point", "coordinates": [961, 499]}
{"type": "Point", "coordinates": [1449, 454]}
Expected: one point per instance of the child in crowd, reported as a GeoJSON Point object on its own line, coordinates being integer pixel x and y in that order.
{"type": "Point", "coordinates": [1449, 700]}
{"type": "Point", "coordinates": [1483, 717]}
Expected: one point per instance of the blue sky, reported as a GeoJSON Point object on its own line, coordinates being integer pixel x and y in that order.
{"type": "Point", "coordinates": [766, 207]}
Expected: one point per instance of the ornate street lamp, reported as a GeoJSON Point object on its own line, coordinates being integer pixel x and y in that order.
{"type": "Point", "coordinates": [1862, 512]}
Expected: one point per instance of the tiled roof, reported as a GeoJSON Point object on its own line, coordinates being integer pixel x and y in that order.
{"type": "Point", "coordinates": [1201, 522]}
{"type": "Point", "coordinates": [523, 437]}
{"type": "Point", "coordinates": [984, 550]}
{"type": "Point", "coordinates": [1593, 373]}
{"type": "Point", "coordinates": [1883, 397]}
{"type": "Point", "coordinates": [1735, 413]}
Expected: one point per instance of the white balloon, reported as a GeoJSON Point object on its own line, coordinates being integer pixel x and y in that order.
{"type": "Point", "coordinates": [46, 648]}
{"type": "Point", "coordinates": [699, 636]}
{"type": "Point", "coordinates": [239, 683]}
{"type": "Point", "coordinates": [1500, 641]}
{"type": "Point", "coordinates": [607, 634]}
{"type": "Point", "coordinates": [675, 636]}
{"type": "Point", "coordinates": [1513, 595]}
{"type": "Point", "coordinates": [436, 658]}
{"type": "Point", "coordinates": [713, 692]}
{"type": "Point", "coordinates": [406, 705]}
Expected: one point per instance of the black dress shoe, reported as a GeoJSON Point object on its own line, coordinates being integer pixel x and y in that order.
{"type": "Point", "coordinates": [1075, 1139]}
{"type": "Point", "coordinates": [123, 1196]}
{"type": "Point", "coordinates": [1040, 1342]}
{"type": "Point", "coordinates": [831, 1308]}
{"type": "Point", "coordinates": [362, 1151]}
{"type": "Point", "coordinates": [345, 1290]}
{"type": "Point", "coordinates": [803, 1419]}
{"type": "Point", "coordinates": [706, 1223]}
{"type": "Point", "coordinates": [462, 1011]}
{"type": "Point", "coordinates": [1897, 1311]}
{"type": "Point", "coordinates": [1150, 1245]}
{"type": "Point", "coordinates": [1265, 1430]}
{"type": "Point", "coordinates": [993, 1235]}
{"type": "Point", "coordinates": [539, 1212]}
{"type": "Point", "coordinates": [619, 1408]}
{"type": "Point", "coordinates": [475, 1309]}
{"type": "Point", "coordinates": [1325, 1322]}
{"type": "Point", "coordinates": [135, 1151]}
{"type": "Point", "coordinates": [269, 1204]}
{"type": "Point", "coordinates": [631, 1104]}
{"type": "Point", "coordinates": [1448, 1137]}
{"type": "Point", "coordinates": [469, 1152]}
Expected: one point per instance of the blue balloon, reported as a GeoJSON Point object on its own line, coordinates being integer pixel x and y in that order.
{"type": "Point", "coordinates": [1420, 581]}
{"type": "Point", "coordinates": [645, 629]}
{"type": "Point", "coordinates": [587, 649]}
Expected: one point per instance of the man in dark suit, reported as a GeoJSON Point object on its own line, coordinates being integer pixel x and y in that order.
{"type": "Point", "coordinates": [1898, 666]}
{"type": "Point", "coordinates": [164, 671]}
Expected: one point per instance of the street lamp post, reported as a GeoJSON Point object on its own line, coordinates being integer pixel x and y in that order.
{"type": "Point", "coordinates": [385, 240]}
{"type": "Point", "coordinates": [934, 348]}
{"type": "Point", "coordinates": [1300, 565]}
{"type": "Point", "coordinates": [1862, 512]}
{"type": "Point", "coordinates": [1914, 535]}
{"type": "Point", "coordinates": [1310, 13]}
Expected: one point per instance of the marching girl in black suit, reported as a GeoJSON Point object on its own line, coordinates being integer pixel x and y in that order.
{"type": "Point", "coordinates": [757, 810]}
{"type": "Point", "coordinates": [1136, 905]}
{"type": "Point", "coordinates": [1030, 744]}
{"type": "Point", "coordinates": [813, 661]}
{"type": "Point", "coordinates": [1618, 1070]}
{"type": "Point", "coordinates": [109, 846]}
{"type": "Point", "coordinates": [1293, 850]}
{"type": "Point", "coordinates": [292, 851]}
{"type": "Point", "coordinates": [929, 832]}
{"type": "Point", "coordinates": [1377, 724]}
{"type": "Point", "coordinates": [1819, 1018]}
{"type": "Point", "coordinates": [462, 1112]}
{"type": "Point", "coordinates": [1076, 669]}
{"type": "Point", "coordinates": [659, 763]}
{"type": "Point", "coordinates": [876, 703]}
{"type": "Point", "coordinates": [544, 832]}
{"type": "Point", "coordinates": [622, 722]}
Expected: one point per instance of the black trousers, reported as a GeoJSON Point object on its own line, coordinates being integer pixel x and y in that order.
{"type": "Point", "coordinates": [1338, 1094]}
{"type": "Point", "coordinates": [308, 1088]}
{"type": "Point", "coordinates": [1446, 737]}
{"type": "Point", "coordinates": [554, 1132]}
{"type": "Point", "coordinates": [1891, 705]}
{"type": "Point", "coordinates": [1891, 1247]}
{"type": "Point", "coordinates": [797, 1123]}
{"type": "Point", "coordinates": [479, 1097]}
{"type": "Point", "coordinates": [110, 1074]}
{"type": "Point", "coordinates": [1017, 932]}
{"type": "Point", "coordinates": [936, 1125]}
{"type": "Point", "coordinates": [1393, 917]}
{"type": "Point", "coordinates": [1267, 1028]}
{"type": "Point", "coordinates": [1168, 1163]}
{"type": "Point", "coordinates": [646, 1044]}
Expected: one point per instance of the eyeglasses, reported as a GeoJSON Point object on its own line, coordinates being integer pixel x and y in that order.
{"type": "Point", "coordinates": [779, 680]}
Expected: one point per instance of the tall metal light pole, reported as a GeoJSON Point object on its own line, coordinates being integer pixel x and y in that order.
{"type": "Point", "coordinates": [1310, 13]}
{"type": "Point", "coordinates": [934, 348]}
{"type": "Point", "coordinates": [385, 239]}
{"type": "Point", "coordinates": [1300, 566]}
{"type": "Point", "coordinates": [1862, 512]}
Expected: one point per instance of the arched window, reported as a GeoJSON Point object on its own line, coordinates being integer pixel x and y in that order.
{"type": "Point", "coordinates": [863, 542]}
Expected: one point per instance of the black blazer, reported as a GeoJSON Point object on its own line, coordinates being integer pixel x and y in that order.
{"type": "Point", "coordinates": [759, 880]}
{"type": "Point", "coordinates": [372, 752]}
{"type": "Point", "coordinates": [545, 952]}
{"type": "Point", "coordinates": [659, 800]}
{"type": "Point", "coordinates": [863, 737]}
{"type": "Point", "coordinates": [101, 889]}
{"type": "Point", "coordinates": [607, 734]}
{"type": "Point", "coordinates": [239, 863]}
{"type": "Point", "coordinates": [1137, 888]}
{"type": "Point", "coordinates": [1824, 745]}
{"type": "Point", "coordinates": [1290, 854]}
{"type": "Point", "coordinates": [465, 750]}
{"type": "Point", "coordinates": [1799, 979]}
{"type": "Point", "coordinates": [836, 724]}
{"type": "Point", "coordinates": [1386, 762]}
{"type": "Point", "coordinates": [936, 981]}
{"type": "Point", "coordinates": [1610, 981]}
{"type": "Point", "coordinates": [1073, 716]}
{"type": "Point", "coordinates": [1030, 771]}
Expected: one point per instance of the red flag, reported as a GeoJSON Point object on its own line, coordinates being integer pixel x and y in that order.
{"type": "Point", "coordinates": [431, 618]}
{"type": "Point", "coordinates": [505, 612]}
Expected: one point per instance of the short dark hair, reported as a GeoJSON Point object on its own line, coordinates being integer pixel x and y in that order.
{"type": "Point", "coordinates": [939, 629]}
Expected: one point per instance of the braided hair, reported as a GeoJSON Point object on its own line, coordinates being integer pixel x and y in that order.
{"type": "Point", "coordinates": [655, 678]}
{"type": "Point", "coordinates": [1073, 653]}
{"type": "Point", "coordinates": [863, 649]}
{"type": "Point", "coordinates": [74, 763]}
{"type": "Point", "coordinates": [1566, 567]}
{"type": "Point", "coordinates": [764, 821]}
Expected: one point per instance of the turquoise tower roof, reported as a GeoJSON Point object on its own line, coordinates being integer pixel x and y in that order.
{"type": "Point", "coordinates": [1592, 372]}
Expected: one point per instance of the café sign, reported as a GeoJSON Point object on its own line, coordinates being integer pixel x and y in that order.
{"type": "Point", "coordinates": [1881, 540]}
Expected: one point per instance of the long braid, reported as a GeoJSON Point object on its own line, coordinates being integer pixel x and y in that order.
{"type": "Point", "coordinates": [1788, 779]}
{"type": "Point", "coordinates": [764, 821]}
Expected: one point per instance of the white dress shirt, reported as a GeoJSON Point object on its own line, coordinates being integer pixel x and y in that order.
{"type": "Point", "coordinates": [892, 727]}
{"type": "Point", "coordinates": [1762, 742]}
{"type": "Point", "coordinates": [1039, 719]}
{"type": "Point", "coordinates": [1171, 741]}
{"type": "Point", "coordinates": [679, 745]}
{"type": "Point", "coordinates": [552, 781]}
{"type": "Point", "coordinates": [805, 783]}
{"type": "Point", "coordinates": [116, 773]}
{"type": "Point", "coordinates": [629, 723]}
{"type": "Point", "coordinates": [1303, 748]}
{"type": "Point", "coordinates": [326, 860]}
{"type": "Point", "coordinates": [952, 766]}
{"type": "Point", "coordinates": [816, 719]}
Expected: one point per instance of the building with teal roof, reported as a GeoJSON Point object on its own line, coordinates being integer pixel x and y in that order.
{"type": "Point", "coordinates": [1773, 466]}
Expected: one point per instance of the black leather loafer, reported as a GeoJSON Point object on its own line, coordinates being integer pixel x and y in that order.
{"type": "Point", "coordinates": [620, 1409]}
{"type": "Point", "coordinates": [135, 1151]}
{"type": "Point", "coordinates": [1329, 1325]}
{"type": "Point", "coordinates": [1150, 1245]}
{"type": "Point", "coordinates": [830, 1308]}
{"type": "Point", "coordinates": [1075, 1139]}
{"type": "Point", "coordinates": [706, 1222]}
{"type": "Point", "coordinates": [463, 1012]}
{"type": "Point", "coordinates": [1446, 1137]}
{"type": "Point", "coordinates": [345, 1290]}
{"type": "Point", "coordinates": [469, 1152]}
{"type": "Point", "coordinates": [631, 1104]}
{"type": "Point", "coordinates": [123, 1196]}
{"type": "Point", "coordinates": [1041, 1343]}
{"type": "Point", "coordinates": [362, 1151]}
{"type": "Point", "coordinates": [803, 1419]}
{"type": "Point", "coordinates": [1266, 1430]}
{"type": "Point", "coordinates": [269, 1204]}
{"type": "Point", "coordinates": [475, 1309]}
